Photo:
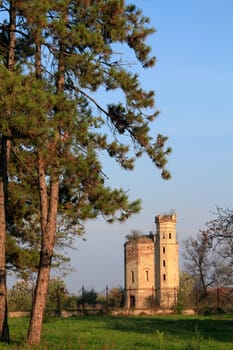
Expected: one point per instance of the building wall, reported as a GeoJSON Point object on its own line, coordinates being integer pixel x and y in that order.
{"type": "Point", "coordinates": [167, 273]}
{"type": "Point", "coordinates": [139, 271]}
{"type": "Point", "coordinates": [151, 266]}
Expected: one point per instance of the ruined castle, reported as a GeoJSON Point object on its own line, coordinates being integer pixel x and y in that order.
{"type": "Point", "coordinates": [152, 267]}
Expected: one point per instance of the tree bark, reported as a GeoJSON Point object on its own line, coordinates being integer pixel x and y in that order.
{"type": "Point", "coordinates": [4, 329]}
{"type": "Point", "coordinates": [5, 151]}
{"type": "Point", "coordinates": [48, 239]}
{"type": "Point", "coordinates": [49, 208]}
{"type": "Point", "coordinates": [48, 230]}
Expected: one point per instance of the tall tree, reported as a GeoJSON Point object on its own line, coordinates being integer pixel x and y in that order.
{"type": "Point", "coordinates": [197, 255]}
{"type": "Point", "coordinates": [18, 92]}
{"type": "Point", "coordinates": [72, 53]}
{"type": "Point", "coordinates": [8, 54]}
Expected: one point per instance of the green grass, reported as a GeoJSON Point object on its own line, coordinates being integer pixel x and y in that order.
{"type": "Point", "coordinates": [128, 333]}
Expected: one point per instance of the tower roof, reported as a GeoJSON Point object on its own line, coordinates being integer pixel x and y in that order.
{"type": "Point", "coordinates": [165, 218]}
{"type": "Point", "coordinates": [140, 239]}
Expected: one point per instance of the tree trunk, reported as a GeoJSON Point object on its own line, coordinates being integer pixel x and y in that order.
{"type": "Point", "coordinates": [4, 329]}
{"type": "Point", "coordinates": [48, 240]}
{"type": "Point", "coordinates": [39, 302]}
{"type": "Point", "coordinates": [48, 209]}
{"type": "Point", "coordinates": [48, 229]}
{"type": "Point", "coordinates": [5, 150]}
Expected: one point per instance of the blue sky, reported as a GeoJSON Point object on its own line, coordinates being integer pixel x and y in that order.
{"type": "Point", "coordinates": [193, 81]}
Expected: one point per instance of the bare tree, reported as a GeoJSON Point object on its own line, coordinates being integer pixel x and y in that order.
{"type": "Point", "coordinates": [197, 255]}
{"type": "Point", "coordinates": [221, 227]}
{"type": "Point", "coordinates": [209, 256]}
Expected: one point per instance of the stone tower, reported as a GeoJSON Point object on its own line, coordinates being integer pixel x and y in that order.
{"type": "Point", "coordinates": [139, 271]}
{"type": "Point", "coordinates": [151, 266]}
{"type": "Point", "coordinates": [166, 260]}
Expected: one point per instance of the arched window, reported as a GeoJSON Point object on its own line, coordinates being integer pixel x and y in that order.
{"type": "Point", "coordinates": [147, 275]}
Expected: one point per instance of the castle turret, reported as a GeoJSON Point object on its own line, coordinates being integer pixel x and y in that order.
{"type": "Point", "coordinates": [166, 260]}
{"type": "Point", "coordinates": [152, 266]}
{"type": "Point", "coordinates": [139, 271]}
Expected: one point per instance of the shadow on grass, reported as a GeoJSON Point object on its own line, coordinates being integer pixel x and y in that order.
{"type": "Point", "coordinates": [209, 328]}
{"type": "Point", "coordinates": [91, 332]}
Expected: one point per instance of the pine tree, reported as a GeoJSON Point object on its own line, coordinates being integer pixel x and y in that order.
{"type": "Point", "coordinates": [67, 52]}
{"type": "Point", "coordinates": [8, 53]}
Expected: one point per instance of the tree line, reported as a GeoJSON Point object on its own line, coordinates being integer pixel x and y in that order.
{"type": "Point", "coordinates": [20, 298]}
{"type": "Point", "coordinates": [54, 58]}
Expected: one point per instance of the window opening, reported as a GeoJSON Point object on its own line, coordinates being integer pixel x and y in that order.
{"type": "Point", "coordinates": [132, 301]}
{"type": "Point", "coordinates": [132, 276]}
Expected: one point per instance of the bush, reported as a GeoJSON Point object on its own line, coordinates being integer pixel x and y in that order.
{"type": "Point", "coordinates": [207, 311]}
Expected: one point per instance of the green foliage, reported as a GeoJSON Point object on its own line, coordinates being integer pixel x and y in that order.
{"type": "Point", "coordinates": [185, 296]}
{"type": "Point", "coordinates": [195, 342]}
{"type": "Point", "coordinates": [88, 298]}
{"type": "Point", "coordinates": [62, 126]}
{"type": "Point", "coordinates": [116, 297]}
{"type": "Point", "coordinates": [56, 296]}
{"type": "Point", "coordinates": [210, 310]}
{"type": "Point", "coordinates": [160, 340]}
{"type": "Point", "coordinates": [21, 294]}
{"type": "Point", "coordinates": [70, 302]}
{"type": "Point", "coordinates": [21, 260]}
{"type": "Point", "coordinates": [20, 297]}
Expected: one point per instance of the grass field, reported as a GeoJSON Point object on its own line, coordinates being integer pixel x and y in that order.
{"type": "Point", "coordinates": [128, 333]}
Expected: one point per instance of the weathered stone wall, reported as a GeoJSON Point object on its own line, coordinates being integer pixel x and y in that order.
{"type": "Point", "coordinates": [167, 254]}
{"type": "Point", "coordinates": [152, 266]}
{"type": "Point", "coordinates": [139, 271]}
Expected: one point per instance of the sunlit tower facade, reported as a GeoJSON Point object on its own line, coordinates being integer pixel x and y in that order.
{"type": "Point", "coordinates": [152, 266]}
{"type": "Point", "coordinates": [166, 260]}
